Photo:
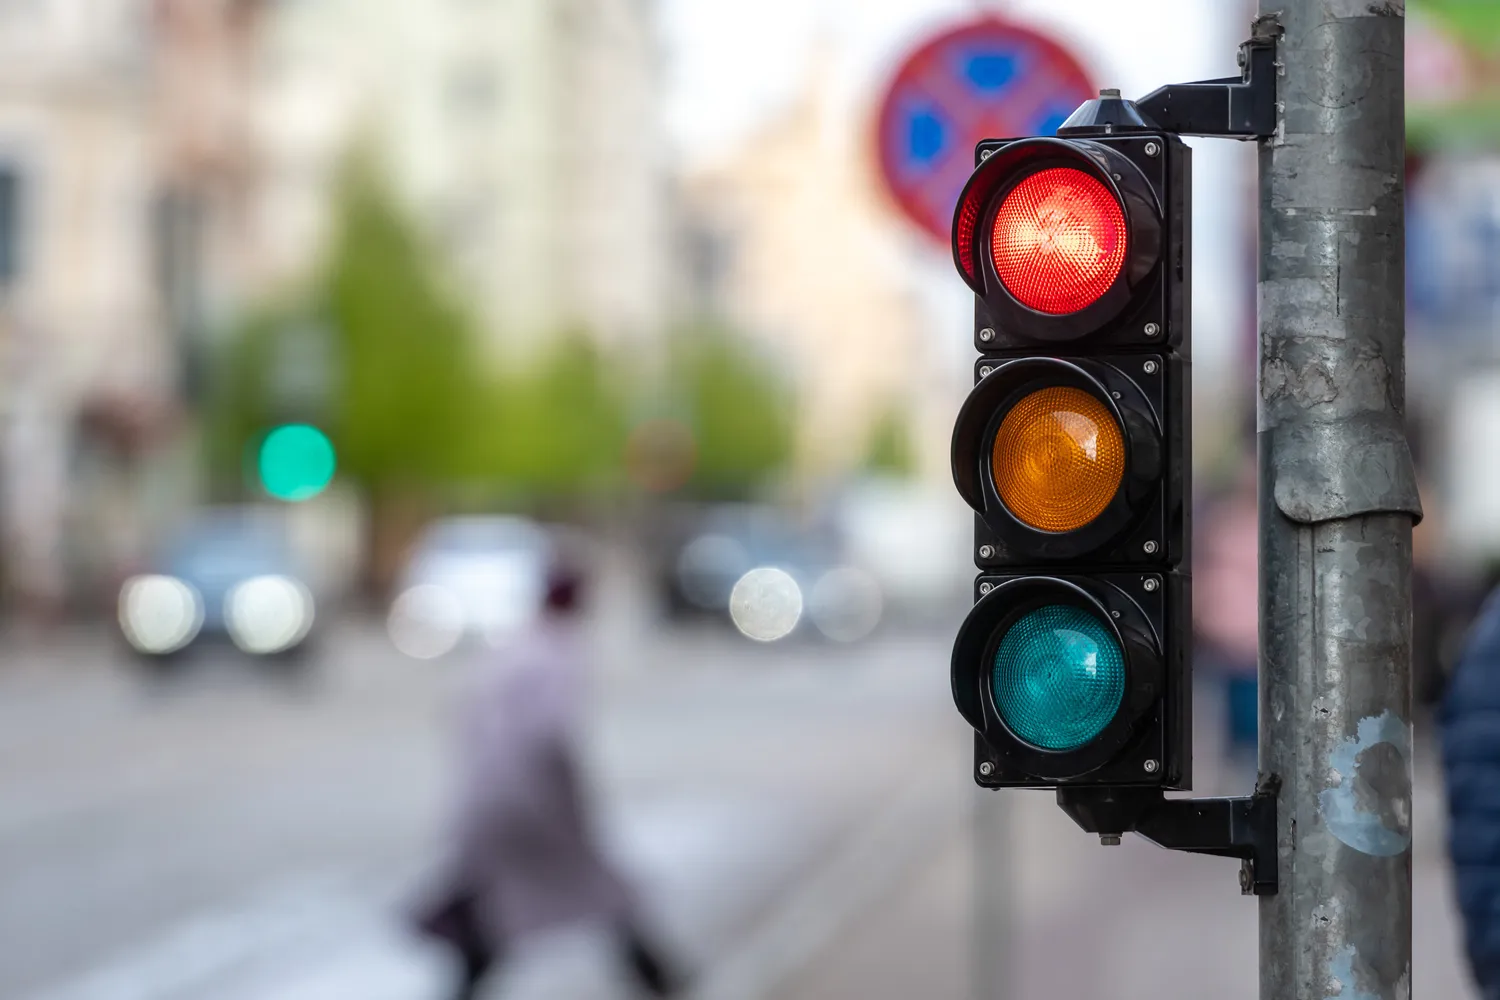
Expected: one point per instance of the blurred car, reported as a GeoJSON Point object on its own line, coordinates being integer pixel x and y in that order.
{"type": "Point", "coordinates": [767, 574]}
{"type": "Point", "coordinates": [226, 574]}
{"type": "Point", "coordinates": [906, 534]}
{"type": "Point", "coordinates": [481, 577]}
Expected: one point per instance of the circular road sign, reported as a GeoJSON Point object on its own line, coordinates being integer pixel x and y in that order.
{"type": "Point", "coordinates": [985, 79]}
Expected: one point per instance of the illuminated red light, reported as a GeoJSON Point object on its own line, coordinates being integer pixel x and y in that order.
{"type": "Point", "coordinates": [1059, 240]}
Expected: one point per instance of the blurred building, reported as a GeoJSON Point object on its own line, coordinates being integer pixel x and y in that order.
{"type": "Point", "coordinates": [208, 166]}
{"type": "Point", "coordinates": [165, 162]}
{"type": "Point", "coordinates": [118, 133]}
{"type": "Point", "coordinates": [523, 135]}
{"type": "Point", "coordinates": [797, 248]}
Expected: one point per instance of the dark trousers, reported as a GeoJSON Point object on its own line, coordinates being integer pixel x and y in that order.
{"type": "Point", "coordinates": [457, 924]}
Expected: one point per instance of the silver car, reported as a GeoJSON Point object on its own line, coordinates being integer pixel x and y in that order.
{"type": "Point", "coordinates": [469, 578]}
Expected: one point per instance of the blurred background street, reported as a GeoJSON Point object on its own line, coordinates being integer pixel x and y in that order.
{"type": "Point", "coordinates": [328, 326]}
{"type": "Point", "coordinates": [800, 822]}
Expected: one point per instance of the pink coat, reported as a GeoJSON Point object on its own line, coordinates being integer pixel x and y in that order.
{"type": "Point", "coordinates": [525, 850]}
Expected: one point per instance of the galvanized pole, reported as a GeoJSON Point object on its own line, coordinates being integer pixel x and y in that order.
{"type": "Point", "coordinates": [1337, 501]}
{"type": "Point", "coordinates": [994, 899]}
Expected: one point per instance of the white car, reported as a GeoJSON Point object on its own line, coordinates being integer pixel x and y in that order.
{"type": "Point", "coordinates": [482, 577]}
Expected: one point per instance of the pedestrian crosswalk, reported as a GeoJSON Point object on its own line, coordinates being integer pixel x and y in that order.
{"type": "Point", "coordinates": [339, 935]}
{"type": "Point", "coordinates": [226, 844]}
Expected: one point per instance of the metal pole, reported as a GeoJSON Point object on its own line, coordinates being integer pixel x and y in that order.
{"type": "Point", "coordinates": [994, 897]}
{"type": "Point", "coordinates": [1337, 502]}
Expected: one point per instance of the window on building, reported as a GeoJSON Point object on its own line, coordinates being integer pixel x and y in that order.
{"type": "Point", "coordinates": [474, 89]}
{"type": "Point", "coordinates": [177, 225]}
{"type": "Point", "coordinates": [10, 224]}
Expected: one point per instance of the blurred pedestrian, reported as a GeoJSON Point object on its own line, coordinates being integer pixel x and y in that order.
{"type": "Point", "coordinates": [525, 858]}
{"type": "Point", "coordinates": [1470, 722]}
{"type": "Point", "coordinates": [1226, 620]}
{"type": "Point", "coordinates": [1444, 599]}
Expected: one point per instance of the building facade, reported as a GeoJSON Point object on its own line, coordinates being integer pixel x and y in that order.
{"type": "Point", "coordinates": [523, 136]}
{"type": "Point", "coordinates": [804, 254]}
{"type": "Point", "coordinates": [122, 157]}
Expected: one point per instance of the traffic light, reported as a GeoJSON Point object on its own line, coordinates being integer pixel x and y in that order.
{"type": "Point", "coordinates": [1073, 451]}
{"type": "Point", "coordinates": [296, 462]}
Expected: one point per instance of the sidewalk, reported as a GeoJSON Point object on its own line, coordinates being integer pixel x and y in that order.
{"type": "Point", "coordinates": [1127, 923]}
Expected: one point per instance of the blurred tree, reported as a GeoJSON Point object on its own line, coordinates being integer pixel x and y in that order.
{"type": "Point", "coordinates": [1475, 21]}
{"type": "Point", "coordinates": [420, 424]}
{"type": "Point", "coordinates": [739, 409]}
{"type": "Point", "coordinates": [554, 430]}
{"type": "Point", "coordinates": [890, 451]}
{"type": "Point", "coordinates": [404, 348]}
{"type": "Point", "coordinates": [236, 406]}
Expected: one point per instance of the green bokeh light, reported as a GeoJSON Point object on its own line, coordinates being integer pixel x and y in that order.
{"type": "Point", "coordinates": [296, 462]}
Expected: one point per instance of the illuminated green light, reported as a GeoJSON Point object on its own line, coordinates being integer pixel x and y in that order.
{"type": "Point", "coordinates": [296, 462]}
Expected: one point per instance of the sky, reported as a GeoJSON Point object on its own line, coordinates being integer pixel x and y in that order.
{"type": "Point", "coordinates": [732, 65]}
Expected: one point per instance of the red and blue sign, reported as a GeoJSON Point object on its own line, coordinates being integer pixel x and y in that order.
{"type": "Point", "coordinates": [986, 79]}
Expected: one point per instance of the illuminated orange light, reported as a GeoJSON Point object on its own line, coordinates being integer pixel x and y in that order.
{"type": "Point", "coordinates": [1058, 459]}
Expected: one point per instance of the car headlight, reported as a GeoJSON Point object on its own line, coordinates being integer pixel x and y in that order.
{"type": "Point", "coordinates": [766, 604]}
{"type": "Point", "coordinates": [426, 621]}
{"type": "Point", "coordinates": [268, 614]}
{"type": "Point", "coordinates": [159, 614]}
{"type": "Point", "coordinates": [845, 604]}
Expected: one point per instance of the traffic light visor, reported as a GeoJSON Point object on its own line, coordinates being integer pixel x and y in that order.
{"type": "Point", "coordinates": [1058, 459]}
{"type": "Point", "coordinates": [1058, 678]}
{"type": "Point", "coordinates": [1059, 240]}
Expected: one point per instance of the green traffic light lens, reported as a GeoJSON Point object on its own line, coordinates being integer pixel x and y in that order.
{"type": "Point", "coordinates": [1059, 677]}
{"type": "Point", "coordinates": [297, 462]}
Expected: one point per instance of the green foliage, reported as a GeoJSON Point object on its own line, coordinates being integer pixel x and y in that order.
{"type": "Point", "coordinates": [413, 411]}
{"type": "Point", "coordinates": [554, 429]}
{"type": "Point", "coordinates": [405, 350]}
{"type": "Point", "coordinates": [890, 450]}
{"type": "Point", "coordinates": [739, 409]}
{"type": "Point", "coordinates": [1476, 22]}
{"type": "Point", "coordinates": [237, 405]}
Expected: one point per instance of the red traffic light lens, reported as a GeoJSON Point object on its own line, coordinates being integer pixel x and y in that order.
{"type": "Point", "coordinates": [1059, 240]}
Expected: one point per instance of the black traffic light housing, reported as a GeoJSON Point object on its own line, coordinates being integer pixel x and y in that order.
{"type": "Point", "coordinates": [1128, 350]}
{"type": "Point", "coordinates": [1148, 304]}
{"type": "Point", "coordinates": [1074, 449]}
{"type": "Point", "coordinates": [1148, 742]}
{"type": "Point", "coordinates": [1145, 523]}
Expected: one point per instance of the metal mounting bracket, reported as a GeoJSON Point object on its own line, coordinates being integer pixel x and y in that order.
{"type": "Point", "coordinates": [1242, 827]}
{"type": "Point", "coordinates": [1242, 107]}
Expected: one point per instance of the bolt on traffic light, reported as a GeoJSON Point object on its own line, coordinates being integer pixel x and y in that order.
{"type": "Point", "coordinates": [1072, 449]}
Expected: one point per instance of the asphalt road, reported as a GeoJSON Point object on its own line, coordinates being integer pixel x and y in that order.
{"type": "Point", "coordinates": [237, 837]}
{"type": "Point", "coordinates": [798, 818]}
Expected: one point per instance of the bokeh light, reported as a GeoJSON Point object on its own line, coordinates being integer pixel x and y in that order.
{"type": "Point", "coordinates": [159, 614]}
{"type": "Point", "coordinates": [845, 604]}
{"type": "Point", "coordinates": [766, 604]}
{"type": "Point", "coordinates": [297, 462]}
{"type": "Point", "coordinates": [426, 621]}
{"type": "Point", "coordinates": [660, 455]}
{"type": "Point", "coordinates": [268, 614]}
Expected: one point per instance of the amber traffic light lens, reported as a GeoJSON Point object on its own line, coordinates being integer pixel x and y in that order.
{"type": "Point", "coordinates": [1058, 459]}
{"type": "Point", "coordinates": [1059, 240]}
